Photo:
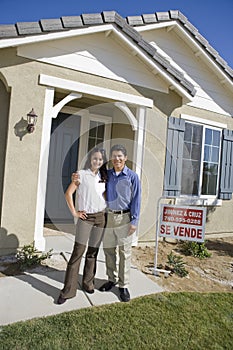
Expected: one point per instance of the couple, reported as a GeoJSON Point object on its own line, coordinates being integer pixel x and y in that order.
{"type": "Point", "coordinates": [121, 187]}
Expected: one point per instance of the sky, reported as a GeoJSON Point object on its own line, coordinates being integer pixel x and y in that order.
{"type": "Point", "coordinates": [213, 19]}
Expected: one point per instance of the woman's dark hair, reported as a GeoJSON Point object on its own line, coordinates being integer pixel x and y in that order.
{"type": "Point", "coordinates": [103, 168]}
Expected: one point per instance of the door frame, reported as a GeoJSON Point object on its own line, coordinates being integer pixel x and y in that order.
{"type": "Point", "coordinates": [86, 118]}
{"type": "Point", "coordinates": [84, 129]}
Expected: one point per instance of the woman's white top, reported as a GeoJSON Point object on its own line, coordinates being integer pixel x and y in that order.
{"type": "Point", "coordinates": [89, 194]}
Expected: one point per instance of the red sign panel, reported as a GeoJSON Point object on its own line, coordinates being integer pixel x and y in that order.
{"type": "Point", "coordinates": [185, 223]}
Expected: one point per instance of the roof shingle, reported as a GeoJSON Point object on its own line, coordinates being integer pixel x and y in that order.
{"type": "Point", "coordinates": [51, 25]}
{"type": "Point", "coordinates": [72, 21]}
{"type": "Point", "coordinates": [28, 28]}
{"type": "Point", "coordinates": [8, 31]}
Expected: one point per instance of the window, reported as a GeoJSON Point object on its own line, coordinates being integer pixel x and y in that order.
{"type": "Point", "coordinates": [200, 160]}
{"type": "Point", "coordinates": [96, 134]}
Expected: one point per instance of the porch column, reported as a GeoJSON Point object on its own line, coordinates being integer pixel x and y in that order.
{"type": "Point", "coordinates": [43, 166]}
{"type": "Point", "coordinates": [50, 112]}
{"type": "Point", "coordinates": [139, 140]}
{"type": "Point", "coordinates": [139, 150]}
{"type": "Point", "coordinates": [138, 125]}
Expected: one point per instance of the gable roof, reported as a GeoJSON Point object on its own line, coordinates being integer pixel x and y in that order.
{"type": "Point", "coordinates": [45, 26]}
{"type": "Point", "coordinates": [176, 15]}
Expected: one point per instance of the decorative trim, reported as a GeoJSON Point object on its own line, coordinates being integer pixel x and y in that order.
{"type": "Point", "coordinates": [55, 109]}
{"type": "Point", "coordinates": [51, 36]}
{"type": "Point", "coordinates": [203, 121]}
{"type": "Point", "coordinates": [125, 109]}
{"type": "Point", "coordinates": [94, 90]}
{"type": "Point", "coordinates": [152, 26]}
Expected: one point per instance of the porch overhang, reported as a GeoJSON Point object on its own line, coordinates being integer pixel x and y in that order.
{"type": "Point", "coordinates": [92, 90]}
{"type": "Point", "coordinates": [76, 90]}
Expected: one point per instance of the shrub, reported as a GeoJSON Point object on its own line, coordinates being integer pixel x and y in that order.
{"type": "Point", "coordinates": [177, 265]}
{"type": "Point", "coordinates": [29, 256]}
{"type": "Point", "coordinates": [196, 249]}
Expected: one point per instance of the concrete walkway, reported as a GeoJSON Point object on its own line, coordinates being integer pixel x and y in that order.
{"type": "Point", "coordinates": [34, 294]}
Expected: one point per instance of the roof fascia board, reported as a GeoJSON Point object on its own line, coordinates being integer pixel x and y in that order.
{"type": "Point", "coordinates": [154, 26]}
{"type": "Point", "coordinates": [94, 90]}
{"type": "Point", "coordinates": [203, 52]}
{"type": "Point", "coordinates": [51, 36]}
{"type": "Point", "coordinates": [181, 31]}
{"type": "Point", "coordinates": [136, 50]}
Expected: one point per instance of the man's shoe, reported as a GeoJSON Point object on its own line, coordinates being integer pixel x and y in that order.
{"type": "Point", "coordinates": [61, 300]}
{"type": "Point", "coordinates": [124, 294]}
{"type": "Point", "coordinates": [107, 286]}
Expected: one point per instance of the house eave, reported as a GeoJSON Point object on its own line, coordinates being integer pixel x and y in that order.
{"type": "Point", "coordinates": [18, 41]}
{"type": "Point", "coordinates": [155, 68]}
{"type": "Point", "coordinates": [108, 29]}
{"type": "Point", "coordinates": [204, 52]}
{"type": "Point", "coordinates": [109, 21]}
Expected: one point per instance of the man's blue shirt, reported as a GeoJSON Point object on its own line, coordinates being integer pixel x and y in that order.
{"type": "Point", "coordinates": [124, 192]}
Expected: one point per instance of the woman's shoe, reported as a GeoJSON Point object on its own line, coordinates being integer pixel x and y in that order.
{"type": "Point", "coordinates": [89, 291]}
{"type": "Point", "coordinates": [61, 300]}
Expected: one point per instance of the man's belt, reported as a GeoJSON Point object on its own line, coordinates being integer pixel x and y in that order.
{"type": "Point", "coordinates": [118, 211]}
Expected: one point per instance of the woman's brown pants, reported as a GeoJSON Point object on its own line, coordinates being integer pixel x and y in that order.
{"type": "Point", "coordinates": [91, 231]}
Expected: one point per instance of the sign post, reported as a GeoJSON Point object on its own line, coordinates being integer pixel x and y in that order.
{"type": "Point", "coordinates": [179, 222]}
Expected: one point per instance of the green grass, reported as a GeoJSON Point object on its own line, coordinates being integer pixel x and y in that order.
{"type": "Point", "coordinates": [161, 321]}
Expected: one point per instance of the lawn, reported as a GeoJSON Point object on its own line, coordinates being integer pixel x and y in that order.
{"type": "Point", "coordinates": [161, 321]}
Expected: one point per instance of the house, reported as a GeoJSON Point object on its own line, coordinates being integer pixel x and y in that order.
{"type": "Point", "coordinates": [151, 82]}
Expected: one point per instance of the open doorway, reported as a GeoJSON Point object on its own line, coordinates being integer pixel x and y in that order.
{"type": "Point", "coordinates": [63, 160]}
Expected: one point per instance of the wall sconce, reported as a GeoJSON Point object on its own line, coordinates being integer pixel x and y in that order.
{"type": "Point", "coordinates": [31, 119]}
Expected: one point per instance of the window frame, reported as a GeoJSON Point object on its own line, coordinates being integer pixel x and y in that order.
{"type": "Point", "coordinates": [86, 119]}
{"type": "Point", "coordinates": [204, 127]}
{"type": "Point", "coordinates": [204, 199]}
{"type": "Point", "coordinates": [173, 163]}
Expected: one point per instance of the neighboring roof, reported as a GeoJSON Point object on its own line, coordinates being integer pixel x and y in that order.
{"type": "Point", "coordinates": [45, 26]}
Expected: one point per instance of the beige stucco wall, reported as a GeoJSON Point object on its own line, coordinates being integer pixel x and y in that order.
{"type": "Point", "coordinates": [22, 156]}
{"type": "Point", "coordinates": [154, 159]}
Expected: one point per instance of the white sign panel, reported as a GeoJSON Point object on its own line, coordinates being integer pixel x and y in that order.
{"type": "Point", "coordinates": [185, 223]}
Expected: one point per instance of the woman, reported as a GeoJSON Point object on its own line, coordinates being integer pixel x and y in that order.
{"type": "Point", "coordinates": [91, 220]}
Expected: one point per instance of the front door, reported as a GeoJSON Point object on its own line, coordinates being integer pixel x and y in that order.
{"type": "Point", "coordinates": [63, 160]}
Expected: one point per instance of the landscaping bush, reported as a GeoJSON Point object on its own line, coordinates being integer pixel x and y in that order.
{"type": "Point", "coordinates": [176, 264]}
{"type": "Point", "coordinates": [29, 256]}
{"type": "Point", "coordinates": [196, 249]}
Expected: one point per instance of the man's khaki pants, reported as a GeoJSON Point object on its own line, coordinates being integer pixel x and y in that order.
{"type": "Point", "coordinates": [116, 236]}
{"type": "Point", "coordinates": [91, 231]}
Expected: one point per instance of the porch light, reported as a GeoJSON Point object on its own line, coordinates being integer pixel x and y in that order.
{"type": "Point", "coordinates": [31, 119]}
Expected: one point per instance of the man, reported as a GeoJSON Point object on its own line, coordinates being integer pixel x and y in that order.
{"type": "Point", "coordinates": [123, 207]}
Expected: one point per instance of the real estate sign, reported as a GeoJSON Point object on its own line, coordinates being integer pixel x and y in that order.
{"type": "Point", "coordinates": [185, 223]}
